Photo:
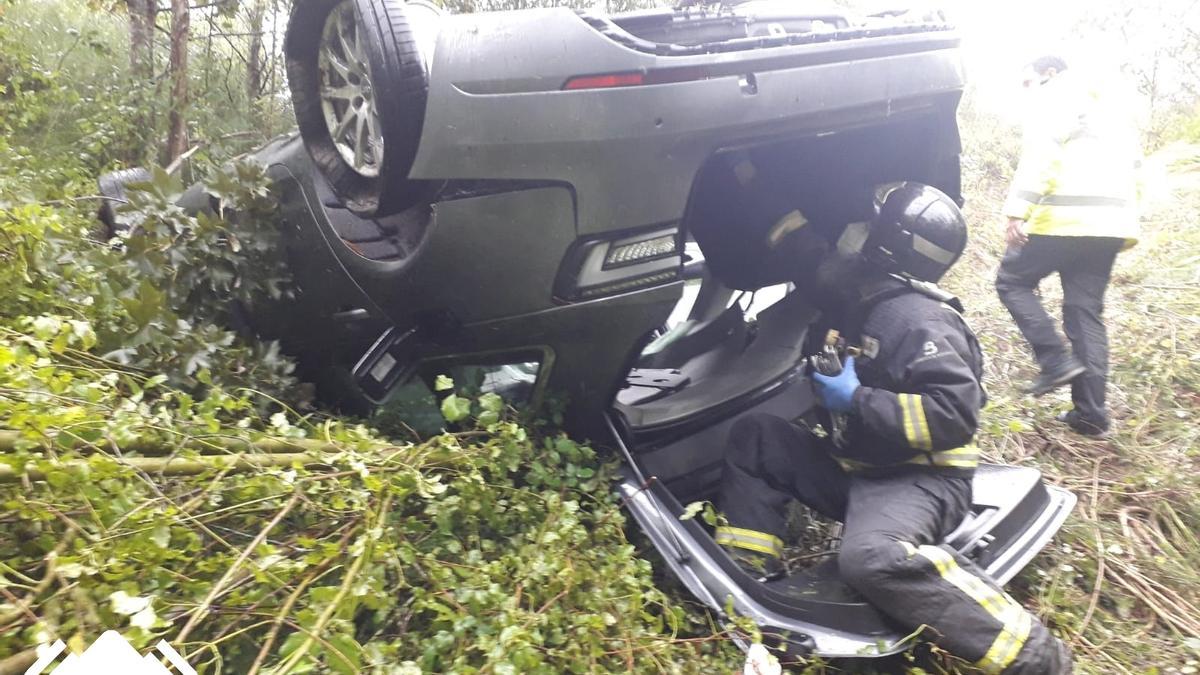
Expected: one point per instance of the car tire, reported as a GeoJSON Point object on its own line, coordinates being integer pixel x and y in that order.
{"type": "Point", "coordinates": [112, 189]}
{"type": "Point", "coordinates": [356, 72]}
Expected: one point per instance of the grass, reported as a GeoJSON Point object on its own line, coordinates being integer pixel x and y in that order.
{"type": "Point", "coordinates": [1121, 582]}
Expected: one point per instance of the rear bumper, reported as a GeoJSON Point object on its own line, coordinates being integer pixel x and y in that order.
{"type": "Point", "coordinates": [497, 111]}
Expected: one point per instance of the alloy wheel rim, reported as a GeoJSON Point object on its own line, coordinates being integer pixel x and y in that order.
{"type": "Point", "coordinates": [347, 92]}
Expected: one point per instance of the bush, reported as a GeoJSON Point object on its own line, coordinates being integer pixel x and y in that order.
{"type": "Point", "coordinates": [156, 479]}
{"type": "Point", "coordinates": [503, 553]}
{"type": "Point", "coordinates": [157, 298]}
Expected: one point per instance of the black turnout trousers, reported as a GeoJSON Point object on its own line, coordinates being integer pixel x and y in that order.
{"type": "Point", "coordinates": [1084, 265]}
{"type": "Point", "coordinates": [894, 524]}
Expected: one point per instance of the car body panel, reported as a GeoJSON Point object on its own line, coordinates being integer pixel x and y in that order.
{"type": "Point", "coordinates": [446, 272]}
{"type": "Point", "coordinates": [587, 342]}
{"type": "Point", "coordinates": [631, 154]}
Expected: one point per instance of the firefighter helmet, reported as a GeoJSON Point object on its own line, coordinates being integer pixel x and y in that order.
{"type": "Point", "coordinates": [918, 232]}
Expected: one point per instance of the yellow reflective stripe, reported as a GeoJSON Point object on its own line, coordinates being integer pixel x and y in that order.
{"type": "Point", "coordinates": [910, 428]}
{"type": "Point", "coordinates": [919, 405]}
{"type": "Point", "coordinates": [916, 428]}
{"type": "Point", "coordinates": [1080, 221]}
{"type": "Point", "coordinates": [908, 548]}
{"type": "Point", "coordinates": [1007, 646]}
{"type": "Point", "coordinates": [752, 540]}
{"type": "Point", "coordinates": [922, 460]}
{"type": "Point", "coordinates": [965, 457]}
{"type": "Point", "coordinates": [750, 546]}
{"type": "Point", "coordinates": [1015, 622]}
{"type": "Point", "coordinates": [987, 597]}
{"type": "Point", "coordinates": [959, 463]}
{"type": "Point", "coordinates": [1071, 200]}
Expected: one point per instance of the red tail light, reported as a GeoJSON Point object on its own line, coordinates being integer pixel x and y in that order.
{"type": "Point", "coordinates": [605, 81]}
{"type": "Point", "coordinates": [656, 76]}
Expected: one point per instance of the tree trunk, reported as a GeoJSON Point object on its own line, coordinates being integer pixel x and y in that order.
{"type": "Point", "coordinates": [254, 60]}
{"type": "Point", "coordinates": [141, 75]}
{"type": "Point", "coordinates": [177, 141]}
{"type": "Point", "coordinates": [141, 30]}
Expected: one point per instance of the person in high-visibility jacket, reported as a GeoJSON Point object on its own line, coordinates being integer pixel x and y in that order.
{"type": "Point", "coordinates": [1071, 208]}
{"type": "Point", "coordinates": [898, 473]}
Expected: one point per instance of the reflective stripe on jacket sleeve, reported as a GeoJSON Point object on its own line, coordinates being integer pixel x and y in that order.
{"type": "Point", "coordinates": [937, 407]}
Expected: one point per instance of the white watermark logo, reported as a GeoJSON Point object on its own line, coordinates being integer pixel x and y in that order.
{"type": "Point", "coordinates": [110, 654]}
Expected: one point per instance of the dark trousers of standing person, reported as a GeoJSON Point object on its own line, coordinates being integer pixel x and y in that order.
{"type": "Point", "coordinates": [891, 551]}
{"type": "Point", "coordinates": [1084, 265]}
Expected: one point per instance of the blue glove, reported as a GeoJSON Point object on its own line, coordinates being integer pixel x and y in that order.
{"type": "Point", "coordinates": [836, 392]}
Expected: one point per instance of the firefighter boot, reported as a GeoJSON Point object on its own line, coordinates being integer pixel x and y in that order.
{"type": "Point", "coordinates": [1056, 374]}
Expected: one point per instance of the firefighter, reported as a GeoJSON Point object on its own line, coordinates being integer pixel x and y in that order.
{"type": "Point", "coordinates": [899, 477]}
{"type": "Point", "coordinates": [1071, 208]}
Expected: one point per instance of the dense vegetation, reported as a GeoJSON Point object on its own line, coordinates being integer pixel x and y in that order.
{"type": "Point", "coordinates": [496, 548]}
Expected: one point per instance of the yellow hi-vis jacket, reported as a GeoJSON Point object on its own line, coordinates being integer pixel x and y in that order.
{"type": "Point", "coordinates": [1078, 171]}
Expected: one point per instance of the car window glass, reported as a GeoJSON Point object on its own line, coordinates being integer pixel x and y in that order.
{"type": "Point", "coordinates": [414, 406]}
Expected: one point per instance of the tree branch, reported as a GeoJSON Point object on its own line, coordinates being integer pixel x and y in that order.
{"type": "Point", "coordinates": [202, 609]}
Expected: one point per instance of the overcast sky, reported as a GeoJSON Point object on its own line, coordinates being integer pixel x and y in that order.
{"type": "Point", "coordinates": [1000, 37]}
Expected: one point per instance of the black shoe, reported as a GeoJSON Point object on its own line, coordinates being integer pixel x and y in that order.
{"type": "Point", "coordinates": [1056, 376]}
{"type": "Point", "coordinates": [760, 566]}
{"type": "Point", "coordinates": [1082, 426]}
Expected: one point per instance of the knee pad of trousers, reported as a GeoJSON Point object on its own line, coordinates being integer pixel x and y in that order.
{"type": "Point", "coordinates": [867, 562]}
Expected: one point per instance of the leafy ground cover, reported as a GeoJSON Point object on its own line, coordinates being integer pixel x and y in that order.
{"type": "Point", "coordinates": [125, 504]}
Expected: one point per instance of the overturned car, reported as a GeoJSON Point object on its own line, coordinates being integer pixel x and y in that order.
{"type": "Point", "coordinates": [563, 203]}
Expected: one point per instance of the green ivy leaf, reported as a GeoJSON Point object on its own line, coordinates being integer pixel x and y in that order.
{"type": "Point", "coordinates": [161, 535]}
{"type": "Point", "coordinates": [348, 657]}
{"type": "Point", "coordinates": [491, 402]}
{"type": "Point", "coordinates": [443, 383]}
{"type": "Point", "coordinates": [455, 409]}
{"type": "Point", "coordinates": [124, 603]}
{"type": "Point", "coordinates": [692, 510]}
